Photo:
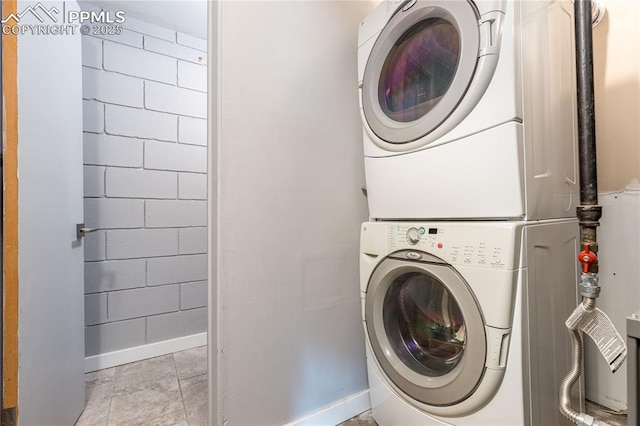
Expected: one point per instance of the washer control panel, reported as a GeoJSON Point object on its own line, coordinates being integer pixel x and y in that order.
{"type": "Point", "coordinates": [479, 244]}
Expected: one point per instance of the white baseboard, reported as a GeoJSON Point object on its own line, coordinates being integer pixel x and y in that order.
{"type": "Point", "coordinates": [338, 412]}
{"type": "Point", "coordinates": [125, 356]}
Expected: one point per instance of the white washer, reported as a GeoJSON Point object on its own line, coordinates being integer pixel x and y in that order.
{"type": "Point", "coordinates": [464, 321]}
{"type": "Point", "coordinates": [469, 109]}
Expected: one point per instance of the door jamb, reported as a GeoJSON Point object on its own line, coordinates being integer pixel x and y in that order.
{"type": "Point", "coordinates": [10, 222]}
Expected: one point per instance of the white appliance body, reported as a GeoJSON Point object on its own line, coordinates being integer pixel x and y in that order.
{"type": "Point", "coordinates": [491, 135]}
{"type": "Point", "coordinates": [431, 359]}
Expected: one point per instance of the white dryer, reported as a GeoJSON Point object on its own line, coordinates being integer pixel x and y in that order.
{"type": "Point", "coordinates": [464, 321]}
{"type": "Point", "coordinates": [469, 109]}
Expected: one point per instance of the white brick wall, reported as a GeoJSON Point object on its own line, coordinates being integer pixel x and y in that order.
{"type": "Point", "coordinates": [190, 41]}
{"type": "Point", "coordinates": [140, 123]}
{"type": "Point", "coordinates": [115, 275]}
{"type": "Point", "coordinates": [92, 52]}
{"type": "Point", "coordinates": [127, 37]}
{"type": "Point", "coordinates": [182, 213]}
{"type": "Point", "coordinates": [95, 246]}
{"type": "Point", "coordinates": [192, 76]}
{"type": "Point", "coordinates": [148, 29]}
{"type": "Point", "coordinates": [177, 269]}
{"type": "Point", "coordinates": [192, 131]}
{"type": "Point", "coordinates": [94, 181]}
{"type": "Point", "coordinates": [143, 302]}
{"type": "Point", "coordinates": [141, 243]}
{"type": "Point", "coordinates": [192, 240]}
{"type": "Point", "coordinates": [95, 308]}
{"type": "Point", "coordinates": [105, 150]}
{"type": "Point", "coordinates": [193, 295]}
{"type": "Point", "coordinates": [92, 117]}
{"type": "Point", "coordinates": [114, 336]}
{"type": "Point", "coordinates": [140, 183]}
{"type": "Point", "coordinates": [164, 97]}
{"type": "Point", "coordinates": [170, 156]}
{"type": "Point", "coordinates": [145, 156]}
{"type": "Point", "coordinates": [192, 186]}
{"type": "Point", "coordinates": [112, 88]}
{"type": "Point", "coordinates": [139, 63]}
{"type": "Point", "coordinates": [170, 48]}
{"type": "Point", "coordinates": [110, 213]}
{"type": "Point", "coordinates": [173, 325]}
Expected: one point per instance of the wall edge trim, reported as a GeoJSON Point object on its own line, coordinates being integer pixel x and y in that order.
{"type": "Point", "coordinates": [337, 412]}
{"type": "Point", "coordinates": [138, 353]}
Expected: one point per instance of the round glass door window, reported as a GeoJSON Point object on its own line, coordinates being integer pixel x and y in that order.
{"type": "Point", "coordinates": [419, 70]}
{"type": "Point", "coordinates": [426, 330]}
{"type": "Point", "coordinates": [424, 324]}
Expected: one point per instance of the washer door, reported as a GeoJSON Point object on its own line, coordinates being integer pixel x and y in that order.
{"type": "Point", "coordinates": [426, 330]}
{"type": "Point", "coordinates": [420, 68]}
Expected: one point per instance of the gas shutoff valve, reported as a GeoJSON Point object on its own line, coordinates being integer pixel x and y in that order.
{"type": "Point", "coordinates": [587, 258]}
{"type": "Point", "coordinates": [588, 281]}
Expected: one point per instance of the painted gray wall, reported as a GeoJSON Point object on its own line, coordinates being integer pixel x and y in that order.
{"type": "Point", "coordinates": [145, 159]}
{"type": "Point", "coordinates": [290, 208]}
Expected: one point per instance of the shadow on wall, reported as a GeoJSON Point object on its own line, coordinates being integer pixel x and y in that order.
{"type": "Point", "coordinates": [617, 93]}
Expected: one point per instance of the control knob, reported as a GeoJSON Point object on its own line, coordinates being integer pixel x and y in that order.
{"type": "Point", "coordinates": [413, 236]}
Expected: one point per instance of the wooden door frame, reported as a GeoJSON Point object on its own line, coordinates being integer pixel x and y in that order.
{"type": "Point", "coordinates": [10, 222]}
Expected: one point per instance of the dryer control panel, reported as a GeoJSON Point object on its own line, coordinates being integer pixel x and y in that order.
{"type": "Point", "coordinates": [480, 244]}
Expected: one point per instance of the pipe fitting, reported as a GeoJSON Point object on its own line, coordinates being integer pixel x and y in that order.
{"type": "Point", "coordinates": [587, 420]}
{"type": "Point", "coordinates": [589, 287]}
{"type": "Point", "coordinates": [589, 213]}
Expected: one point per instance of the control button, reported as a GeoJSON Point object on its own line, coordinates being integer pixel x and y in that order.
{"type": "Point", "coordinates": [440, 245]}
{"type": "Point", "coordinates": [421, 231]}
{"type": "Point", "coordinates": [413, 236]}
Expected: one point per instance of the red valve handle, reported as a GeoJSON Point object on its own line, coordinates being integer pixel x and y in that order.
{"type": "Point", "coordinates": [587, 257]}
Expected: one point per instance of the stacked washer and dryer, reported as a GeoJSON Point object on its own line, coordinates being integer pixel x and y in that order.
{"type": "Point", "coordinates": [467, 265]}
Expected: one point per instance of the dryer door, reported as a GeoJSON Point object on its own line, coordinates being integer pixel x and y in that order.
{"type": "Point", "coordinates": [420, 68]}
{"type": "Point", "coordinates": [426, 330]}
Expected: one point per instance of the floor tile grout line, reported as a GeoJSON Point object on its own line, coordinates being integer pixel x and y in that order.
{"type": "Point", "coordinates": [184, 405]}
{"type": "Point", "coordinates": [113, 386]}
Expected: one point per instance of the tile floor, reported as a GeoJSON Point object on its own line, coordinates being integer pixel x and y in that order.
{"type": "Point", "coordinates": [166, 390]}
{"type": "Point", "coordinates": [171, 390]}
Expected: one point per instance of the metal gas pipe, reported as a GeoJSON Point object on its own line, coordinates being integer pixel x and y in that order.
{"type": "Point", "coordinates": [589, 212]}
